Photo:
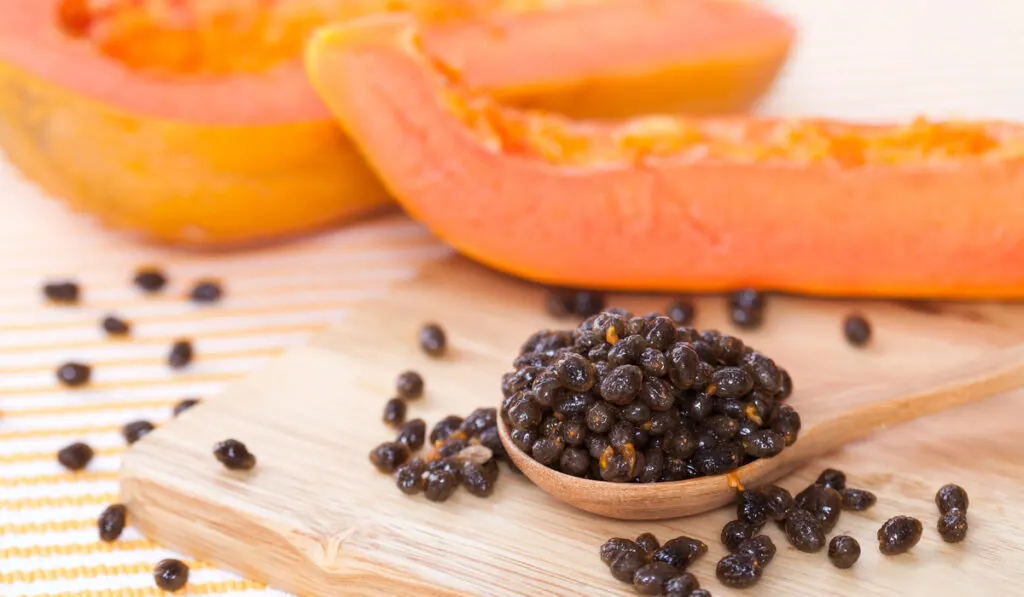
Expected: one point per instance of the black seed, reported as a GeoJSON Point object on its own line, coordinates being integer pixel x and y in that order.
{"type": "Point", "coordinates": [786, 421]}
{"type": "Point", "coordinates": [654, 465]}
{"type": "Point", "coordinates": [636, 413]}
{"type": "Point", "coordinates": [206, 291]}
{"type": "Point", "coordinates": [180, 355]}
{"type": "Point", "coordinates": [700, 593]}
{"type": "Point", "coordinates": [627, 351]}
{"type": "Point", "coordinates": [681, 442]}
{"type": "Point", "coordinates": [440, 485]}
{"type": "Point", "coordinates": [650, 579]}
{"type": "Point", "coordinates": [66, 292]}
{"type": "Point", "coordinates": [763, 443]}
{"type": "Point", "coordinates": [747, 298]}
{"type": "Point", "coordinates": [478, 421]}
{"type": "Point", "coordinates": [656, 394]}
{"type": "Point", "coordinates": [548, 450]}
{"type": "Point", "coordinates": [451, 447]}
{"type": "Point", "coordinates": [779, 501]}
{"type": "Point", "coordinates": [136, 430]}
{"type": "Point", "coordinates": [574, 432]}
{"type": "Point", "coordinates": [111, 522]}
{"type": "Point", "coordinates": [622, 384]}
{"type": "Point", "coordinates": [574, 404]}
{"type": "Point", "coordinates": [647, 543]}
{"type": "Point", "coordinates": [560, 303]}
{"type": "Point", "coordinates": [600, 417]}
{"type": "Point", "coordinates": [735, 532]}
{"type": "Point", "coordinates": [413, 434]}
{"type": "Point", "coordinates": [524, 439]}
{"type": "Point", "coordinates": [588, 303]}
{"type": "Point", "coordinates": [626, 563]}
{"type": "Point", "coordinates": [823, 502]}
{"type": "Point", "coordinates": [728, 350]}
{"type": "Point", "coordinates": [663, 422]}
{"type": "Point", "coordinates": [409, 385]}
{"type": "Point", "coordinates": [676, 469]}
{"type": "Point", "coordinates": [719, 459]}
{"type": "Point", "coordinates": [115, 326]}
{"type": "Point", "coordinates": [653, 362]}
{"type": "Point", "coordinates": [597, 444]}
{"type": "Point", "coordinates": [184, 405]}
{"type": "Point", "coordinates": [575, 462]}
{"type": "Point", "coordinates": [700, 407]}
{"type": "Point", "coordinates": [490, 439]}
{"type": "Point", "coordinates": [622, 433]}
{"type": "Point", "coordinates": [731, 382]}
{"type": "Point", "coordinates": [681, 312]}
{"type": "Point", "coordinates": [615, 546]}
{"type": "Point", "coordinates": [857, 500]}
{"type": "Point", "coordinates": [899, 534]}
{"type": "Point", "coordinates": [722, 427]}
{"type": "Point", "coordinates": [843, 551]}
{"type": "Point", "coordinates": [449, 464]}
{"type": "Point", "coordinates": [525, 414]}
{"type": "Point", "coordinates": [478, 479]}
{"type": "Point", "coordinates": [680, 552]}
{"type": "Point", "coordinates": [833, 478]}
{"type": "Point", "coordinates": [235, 456]}
{"type": "Point", "coordinates": [752, 507]}
{"type": "Point", "coordinates": [73, 374]}
{"type": "Point", "coordinates": [857, 330]}
{"type": "Point", "coordinates": [75, 456]}
{"type": "Point", "coordinates": [952, 525]}
{"type": "Point", "coordinates": [409, 476]}
{"type": "Point", "coordinates": [683, 365]}
{"type": "Point", "coordinates": [952, 496]}
{"type": "Point", "coordinates": [738, 570]}
{"type": "Point", "coordinates": [731, 408]}
{"type": "Point", "coordinates": [661, 333]}
{"type": "Point", "coordinates": [545, 389]}
{"type": "Point", "coordinates": [574, 372]}
{"type": "Point", "coordinates": [682, 585]}
{"type": "Point", "coordinates": [394, 412]}
{"type": "Point", "coordinates": [433, 340]}
{"type": "Point", "coordinates": [761, 547]}
{"type": "Point", "coordinates": [170, 575]}
{"type": "Point", "coordinates": [150, 279]}
{"type": "Point", "coordinates": [804, 532]}
{"type": "Point", "coordinates": [785, 385]}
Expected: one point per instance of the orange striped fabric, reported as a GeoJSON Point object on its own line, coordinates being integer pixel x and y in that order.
{"type": "Point", "coordinates": [275, 298]}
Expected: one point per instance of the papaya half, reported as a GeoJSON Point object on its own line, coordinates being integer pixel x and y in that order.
{"type": "Point", "coordinates": [193, 121]}
{"type": "Point", "coordinates": [923, 209]}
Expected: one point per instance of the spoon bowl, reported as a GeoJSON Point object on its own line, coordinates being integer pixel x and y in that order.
{"type": "Point", "coordinates": [829, 422]}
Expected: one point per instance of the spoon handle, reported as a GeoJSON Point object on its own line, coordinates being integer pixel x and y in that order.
{"type": "Point", "coordinates": [856, 414]}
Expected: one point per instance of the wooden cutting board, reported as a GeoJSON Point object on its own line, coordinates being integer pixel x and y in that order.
{"type": "Point", "coordinates": [315, 518]}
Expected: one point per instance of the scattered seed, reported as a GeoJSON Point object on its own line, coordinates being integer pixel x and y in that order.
{"type": "Point", "coordinates": [62, 293]}
{"type": "Point", "coordinates": [746, 308]}
{"type": "Point", "coordinates": [833, 478]}
{"type": "Point", "coordinates": [804, 532]}
{"type": "Point", "coordinates": [150, 279]}
{"type": "Point", "coordinates": [234, 455]}
{"type": "Point", "coordinates": [857, 500]}
{"type": "Point", "coordinates": [952, 496]}
{"type": "Point", "coordinates": [409, 385]}
{"type": "Point", "coordinates": [394, 412]}
{"type": "Point", "coordinates": [206, 291]}
{"type": "Point", "coordinates": [76, 456]}
{"type": "Point", "coordinates": [136, 430]}
{"type": "Point", "coordinates": [647, 543]}
{"type": "Point", "coordinates": [761, 547]}
{"type": "Point", "coordinates": [433, 340]}
{"type": "Point", "coordinates": [180, 355]}
{"type": "Point", "coordinates": [413, 434]}
{"type": "Point", "coordinates": [681, 312]}
{"type": "Point", "coordinates": [857, 330]}
{"type": "Point", "coordinates": [74, 374]}
{"type": "Point", "coordinates": [952, 525]}
{"type": "Point", "coordinates": [170, 575]}
{"type": "Point", "coordinates": [843, 551]}
{"type": "Point", "coordinates": [899, 534]}
{"type": "Point", "coordinates": [440, 485]}
{"type": "Point", "coordinates": [735, 532]}
{"type": "Point", "coordinates": [115, 326]}
{"type": "Point", "coordinates": [738, 570]}
{"type": "Point", "coordinates": [184, 405]}
{"type": "Point", "coordinates": [651, 578]}
{"type": "Point", "coordinates": [111, 522]}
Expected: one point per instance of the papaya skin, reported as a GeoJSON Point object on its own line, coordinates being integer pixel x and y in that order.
{"type": "Point", "coordinates": [919, 210]}
{"type": "Point", "coordinates": [237, 160]}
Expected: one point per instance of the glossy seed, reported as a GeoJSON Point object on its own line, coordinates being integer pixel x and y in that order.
{"type": "Point", "coordinates": [761, 548]}
{"type": "Point", "coordinates": [394, 412]}
{"type": "Point", "coordinates": [115, 326]}
{"type": "Point", "coordinates": [180, 355]}
{"type": "Point", "coordinates": [413, 434]}
{"type": "Point", "coordinates": [647, 543]}
{"type": "Point", "coordinates": [952, 496]}
{"type": "Point", "coordinates": [752, 507]}
{"type": "Point", "coordinates": [857, 500]}
{"type": "Point", "coordinates": [409, 477]}
{"type": "Point", "coordinates": [111, 522]}
{"type": "Point", "coordinates": [150, 279]}
{"type": "Point", "coordinates": [440, 485]}
{"type": "Point", "coordinates": [833, 478]}
{"type": "Point", "coordinates": [778, 501]}
{"type": "Point", "coordinates": [206, 291]}
{"type": "Point", "coordinates": [611, 548]}
{"type": "Point", "coordinates": [136, 430]}
{"type": "Point", "coordinates": [73, 374]}
{"type": "Point", "coordinates": [822, 501]}
{"type": "Point", "coordinates": [445, 427]}
{"type": "Point", "coordinates": [899, 534]}
{"type": "Point", "coordinates": [843, 551]}
{"type": "Point", "coordinates": [738, 570]}
{"type": "Point", "coordinates": [804, 532]}
{"type": "Point", "coordinates": [952, 525]}
{"type": "Point", "coordinates": [170, 575]}
{"type": "Point", "coordinates": [76, 456]}
{"type": "Point", "coordinates": [681, 312]}
{"type": "Point", "coordinates": [682, 585]}
{"type": "Point", "coordinates": [624, 566]}
{"type": "Point", "coordinates": [651, 578]}
{"type": "Point", "coordinates": [680, 552]}
{"type": "Point", "coordinates": [184, 405]}
{"type": "Point", "coordinates": [735, 532]}
{"type": "Point", "coordinates": [234, 455]}
{"type": "Point", "coordinates": [433, 340]}
{"type": "Point", "coordinates": [409, 385]}
{"type": "Point", "coordinates": [857, 330]}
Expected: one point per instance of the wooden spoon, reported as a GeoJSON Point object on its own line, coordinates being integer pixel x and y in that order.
{"type": "Point", "coordinates": [828, 424]}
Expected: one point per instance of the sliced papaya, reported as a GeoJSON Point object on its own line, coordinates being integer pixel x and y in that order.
{"type": "Point", "coordinates": [193, 122]}
{"type": "Point", "coordinates": [924, 209]}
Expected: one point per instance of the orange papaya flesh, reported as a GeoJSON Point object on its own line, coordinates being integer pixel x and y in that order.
{"type": "Point", "coordinates": [188, 126]}
{"type": "Point", "coordinates": [925, 209]}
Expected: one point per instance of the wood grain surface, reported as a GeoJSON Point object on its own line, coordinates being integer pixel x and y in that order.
{"type": "Point", "coordinates": [315, 518]}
